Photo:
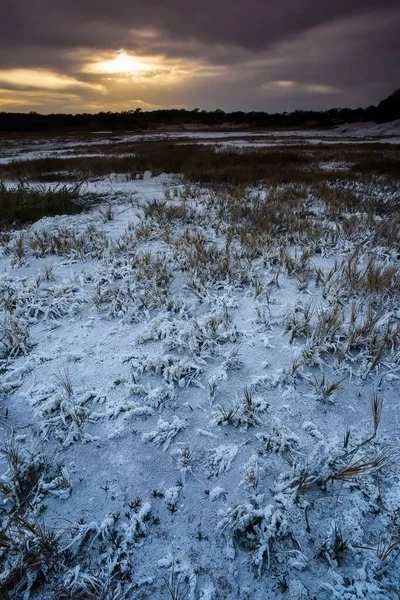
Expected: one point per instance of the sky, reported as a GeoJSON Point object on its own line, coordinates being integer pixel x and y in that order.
{"type": "Point", "coordinates": [271, 55]}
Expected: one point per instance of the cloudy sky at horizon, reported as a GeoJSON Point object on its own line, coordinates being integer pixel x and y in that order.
{"type": "Point", "coordinates": [92, 55]}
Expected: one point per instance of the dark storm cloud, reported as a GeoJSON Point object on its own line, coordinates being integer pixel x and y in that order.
{"type": "Point", "coordinates": [251, 24]}
{"type": "Point", "coordinates": [342, 52]}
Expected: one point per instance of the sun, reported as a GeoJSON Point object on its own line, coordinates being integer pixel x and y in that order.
{"type": "Point", "coordinates": [122, 64]}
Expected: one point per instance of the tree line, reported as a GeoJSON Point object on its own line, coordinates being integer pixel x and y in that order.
{"type": "Point", "coordinates": [139, 120]}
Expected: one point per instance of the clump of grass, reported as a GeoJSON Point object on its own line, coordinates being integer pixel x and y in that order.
{"type": "Point", "coordinates": [23, 204]}
{"type": "Point", "coordinates": [350, 465]}
{"type": "Point", "coordinates": [298, 320]}
{"type": "Point", "coordinates": [376, 406]}
{"type": "Point", "coordinates": [66, 241]}
{"type": "Point", "coordinates": [382, 163]}
{"type": "Point", "coordinates": [372, 278]}
{"type": "Point", "coordinates": [15, 247]}
{"type": "Point", "coordinates": [334, 548]}
{"type": "Point", "coordinates": [386, 548]}
{"type": "Point", "coordinates": [46, 274]}
{"type": "Point", "coordinates": [243, 413]}
{"type": "Point", "coordinates": [178, 583]}
{"type": "Point", "coordinates": [107, 213]}
{"type": "Point", "coordinates": [324, 390]}
{"type": "Point", "coordinates": [65, 381]}
{"type": "Point", "coordinates": [14, 338]}
{"type": "Point", "coordinates": [282, 584]}
{"type": "Point", "coordinates": [228, 414]}
{"type": "Point", "coordinates": [360, 467]}
{"type": "Point", "coordinates": [164, 212]}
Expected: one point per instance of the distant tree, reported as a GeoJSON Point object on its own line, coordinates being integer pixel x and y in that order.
{"type": "Point", "coordinates": [389, 108]}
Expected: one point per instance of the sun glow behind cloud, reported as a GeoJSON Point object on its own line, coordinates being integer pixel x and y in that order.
{"type": "Point", "coordinates": [123, 67]}
{"type": "Point", "coordinates": [156, 70]}
{"type": "Point", "coordinates": [122, 64]}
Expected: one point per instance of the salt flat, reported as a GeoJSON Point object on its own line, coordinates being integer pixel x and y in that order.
{"type": "Point", "coordinates": [200, 388]}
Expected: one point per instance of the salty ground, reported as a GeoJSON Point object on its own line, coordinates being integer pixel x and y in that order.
{"type": "Point", "coordinates": [200, 383]}
{"type": "Point", "coordinates": [17, 148]}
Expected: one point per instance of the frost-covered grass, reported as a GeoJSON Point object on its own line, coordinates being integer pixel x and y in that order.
{"type": "Point", "coordinates": [199, 388]}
